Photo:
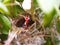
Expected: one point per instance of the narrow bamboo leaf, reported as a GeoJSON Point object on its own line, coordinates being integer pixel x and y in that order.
{"type": "Point", "coordinates": [6, 1]}
{"type": "Point", "coordinates": [3, 9]}
{"type": "Point", "coordinates": [5, 23]}
{"type": "Point", "coordinates": [19, 9]}
{"type": "Point", "coordinates": [20, 0]}
{"type": "Point", "coordinates": [48, 17]}
{"type": "Point", "coordinates": [35, 4]}
{"type": "Point", "coordinates": [1, 0]}
{"type": "Point", "coordinates": [58, 24]}
{"type": "Point", "coordinates": [15, 10]}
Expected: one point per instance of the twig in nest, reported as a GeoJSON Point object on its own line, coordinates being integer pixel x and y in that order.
{"type": "Point", "coordinates": [10, 37]}
{"type": "Point", "coordinates": [33, 25]}
{"type": "Point", "coordinates": [52, 38]}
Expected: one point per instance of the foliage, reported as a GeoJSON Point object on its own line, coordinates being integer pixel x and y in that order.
{"type": "Point", "coordinates": [3, 9]}
{"type": "Point", "coordinates": [6, 24]}
{"type": "Point", "coordinates": [9, 9]}
{"type": "Point", "coordinates": [48, 17]}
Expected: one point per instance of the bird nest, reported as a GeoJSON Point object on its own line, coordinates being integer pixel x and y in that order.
{"type": "Point", "coordinates": [20, 35]}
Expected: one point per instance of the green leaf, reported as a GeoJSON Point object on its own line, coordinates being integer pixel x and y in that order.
{"type": "Point", "coordinates": [58, 24]}
{"type": "Point", "coordinates": [48, 41]}
{"type": "Point", "coordinates": [19, 9]}
{"type": "Point", "coordinates": [20, 0]}
{"type": "Point", "coordinates": [1, 0]}
{"type": "Point", "coordinates": [5, 23]}
{"type": "Point", "coordinates": [35, 4]}
{"type": "Point", "coordinates": [3, 37]}
{"type": "Point", "coordinates": [48, 17]}
{"type": "Point", "coordinates": [15, 10]}
{"type": "Point", "coordinates": [3, 9]}
{"type": "Point", "coordinates": [12, 9]}
{"type": "Point", "coordinates": [6, 1]}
